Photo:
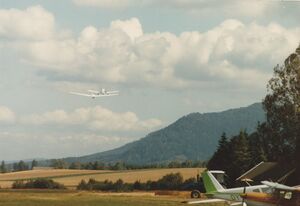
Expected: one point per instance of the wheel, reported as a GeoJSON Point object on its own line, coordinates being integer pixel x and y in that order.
{"type": "Point", "coordinates": [195, 194]}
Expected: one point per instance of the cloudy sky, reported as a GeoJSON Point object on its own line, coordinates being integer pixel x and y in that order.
{"type": "Point", "coordinates": [167, 58]}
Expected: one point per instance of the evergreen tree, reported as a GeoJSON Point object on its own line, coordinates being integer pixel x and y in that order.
{"type": "Point", "coordinates": [59, 164]}
{"type": "Point", "coordinates": [220, 159]}
{"type": "Point", "coordinates": [256, 149]}
{"type": "Point", "coordinates": [75, 165]}
{"type": "Point", "coordinates": [20, 166]}
{"type": "Point", "coordinates": [34, 163]}
{"type": "Point", "coordinates": [3, 167]}
{"type": "Point", "coordinates": [238, 157]}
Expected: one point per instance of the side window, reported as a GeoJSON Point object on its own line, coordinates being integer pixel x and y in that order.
{"type": "Point", "coordinates": [256, 190]}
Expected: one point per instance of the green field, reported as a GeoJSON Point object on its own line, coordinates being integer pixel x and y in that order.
{"type": "Point", "coordinates": [56, 198]}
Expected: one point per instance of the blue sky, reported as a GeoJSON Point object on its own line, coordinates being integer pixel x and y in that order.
{"type": "Point", "coordinates": [167, 59]}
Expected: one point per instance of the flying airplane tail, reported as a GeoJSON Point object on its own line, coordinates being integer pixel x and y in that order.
{"type": "Point", "coordinates": [211, 184]}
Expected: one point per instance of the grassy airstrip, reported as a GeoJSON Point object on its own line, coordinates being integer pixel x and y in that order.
{"type": "Point", "coordinates": [71, 197]}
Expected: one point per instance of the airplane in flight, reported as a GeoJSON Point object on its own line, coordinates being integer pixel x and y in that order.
{"type": "Point", "coordinates": [280, 195]}
{"type": "Point", "coordinates": [217, 193]}
{"type": "Point", "coordinates": [94, 93]}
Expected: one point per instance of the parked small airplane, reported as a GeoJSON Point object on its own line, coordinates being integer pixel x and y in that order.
{"type": "Point", "coordinates": [93, 93]}
{"type": "Point", "coordinates": [217, 193]}
{"type": "Point", "coordinates": [279, 195]}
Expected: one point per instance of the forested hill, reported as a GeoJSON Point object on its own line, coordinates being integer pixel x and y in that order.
{"type": "Point", "coordinates": [194, 136]}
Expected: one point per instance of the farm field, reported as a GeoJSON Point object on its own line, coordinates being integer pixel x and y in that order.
{"type": "Point", "coordinates": [71, 178]}
{"type": "Point", "coordinates": [73, 198]}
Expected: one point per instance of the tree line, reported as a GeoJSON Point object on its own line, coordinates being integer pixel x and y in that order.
{"type": "Point", "coordinates": [278, 138]}
{"type": "Point", "coordinates": [97, 165]}
{"type": "Point", "coordinates": [17, 166]}
{"type": "Point", "coordinates": [172, 181]}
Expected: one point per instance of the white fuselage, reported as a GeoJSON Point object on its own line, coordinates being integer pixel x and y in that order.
{"type": "Point", "coordinates": [234, 193]}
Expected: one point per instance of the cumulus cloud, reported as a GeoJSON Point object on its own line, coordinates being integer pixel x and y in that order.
{"type": "Point", "coordinates": [6, 115]}
{"type": "Point", "coordinates": [104, 3]}
{"type": "Point", "coordinates": [232, 53]}
{"type": "Point", "coordinates": [32, 23]}
{"type": "Point", "coordinates": [95, 118]}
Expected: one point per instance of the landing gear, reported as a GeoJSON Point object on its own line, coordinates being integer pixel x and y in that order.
{"type": "Point", "coordinates": [195, 194]}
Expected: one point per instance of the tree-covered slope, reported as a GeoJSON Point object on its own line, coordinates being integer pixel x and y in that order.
{"type": "Point", "coordinates": [194, 137]}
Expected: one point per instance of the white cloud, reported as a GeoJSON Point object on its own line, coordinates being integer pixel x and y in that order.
{"type": "Point", "coordinates": [6, 115]}
{"type": "Point", "coordinates": [131, 27]}
{"type": "Point", "coordinates": [32, 23]}
{"type": "Point", "coordinates": [95, 118]}
{"type": "Point", "coordinates": [16, 145]}
{"type": "Point", "coordinates": [104, 3]}
{"type": "Point", "coordinates": [232, 53]}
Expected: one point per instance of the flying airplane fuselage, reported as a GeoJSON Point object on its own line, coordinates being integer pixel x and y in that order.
{"type": "Point", "coordinates": [93, 93]}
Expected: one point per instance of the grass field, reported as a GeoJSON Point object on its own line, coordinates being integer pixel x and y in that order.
{"type": "Point", "coordinates": [71, 178]}
{"type": "Point", "coordinates": [73, 198]}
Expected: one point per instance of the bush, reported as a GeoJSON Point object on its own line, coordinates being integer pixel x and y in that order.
{"type": "Point", "coordinates": [18, 184]}
{"type": "Point", "coordinates": [40, 183]}
{"type": "Point", "coordinates": [171, 181]}
{"type": "Point", "coordinates": [118, 186]}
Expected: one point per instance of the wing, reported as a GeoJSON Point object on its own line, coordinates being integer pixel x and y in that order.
{"type": "Point", "coordinates": [81, 94]}
{"type": "Point", "coordinates": [205, 201]}
{"type": "Point", "coordinates": [105, 95]}
{"type": "Point", "coordinates": [112, 92]}
{"type": "Point", "coordinates": [278, 186]}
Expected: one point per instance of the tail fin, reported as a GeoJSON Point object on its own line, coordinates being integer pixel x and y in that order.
{"type": "Point", "coordinates": [211, 184]}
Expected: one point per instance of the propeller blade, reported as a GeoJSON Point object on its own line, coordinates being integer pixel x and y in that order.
{"type": "Point", "coordinates": [243, 197]}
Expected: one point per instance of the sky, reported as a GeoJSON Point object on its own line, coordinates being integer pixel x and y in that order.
{"type": "Point", "coordinates": [167, 58]}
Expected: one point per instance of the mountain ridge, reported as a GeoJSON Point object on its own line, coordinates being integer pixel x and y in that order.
{"type": "Point", "coordinates": [193, 136]}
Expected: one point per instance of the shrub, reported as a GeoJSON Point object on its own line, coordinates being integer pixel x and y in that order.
{"type": "Point", "coordinates": [171, 181]}
{"type": "Point", "coordinates": [40, 183]}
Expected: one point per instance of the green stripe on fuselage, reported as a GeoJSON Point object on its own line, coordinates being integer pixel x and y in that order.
{"type": "Point", "coordinates": [208, 184]}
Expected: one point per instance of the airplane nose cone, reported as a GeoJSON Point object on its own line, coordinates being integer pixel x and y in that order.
{"type": "Point", "coordinates": [244, 195]}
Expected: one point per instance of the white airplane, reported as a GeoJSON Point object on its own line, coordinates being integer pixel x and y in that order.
{"type": "Point", "coordinates": [217, 193]}
{"type": "Point", "coordinates": [280, 195]}
{"type": "Point", "coordinates": [93, 93]}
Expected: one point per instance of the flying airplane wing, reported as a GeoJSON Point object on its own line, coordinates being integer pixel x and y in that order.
{"type": "Point", "coordinates": [81, 94]}
{"type": "Point", "coordinates": [94, 95]}
{"type": "Point", "coordinates": [112, 92]}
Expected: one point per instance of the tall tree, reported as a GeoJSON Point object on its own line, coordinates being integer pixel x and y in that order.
{"type": "Point", "coordinates": [218, 162]}
{"type": "Point", "coordinates": [3, 167]}
{"type": "Point", "coordinates": [34, 163]}
{"type": "Point", "coordinates": [282, 106]}
{"type": "Point", "coordinates": [239, 156]}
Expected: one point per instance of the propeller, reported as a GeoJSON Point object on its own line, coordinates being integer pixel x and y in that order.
{"type": "Point", "coordinates": [243, 197]}
{"type": "Point", "coordinates": [243, 203]}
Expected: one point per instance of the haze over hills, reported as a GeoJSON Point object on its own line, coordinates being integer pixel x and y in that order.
{"type": "Point", "coordinates": [194, 137]}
